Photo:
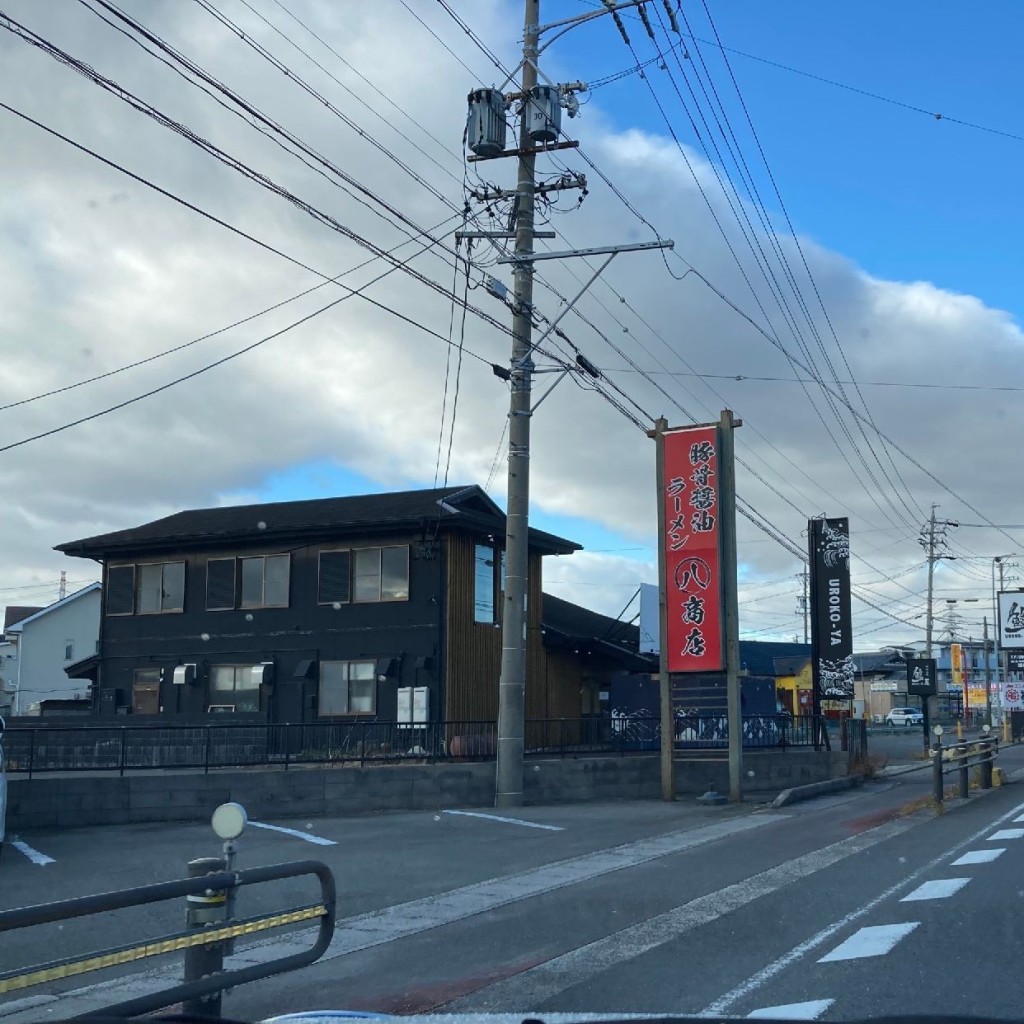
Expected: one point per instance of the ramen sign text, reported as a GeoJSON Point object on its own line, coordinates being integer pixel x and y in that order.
{"type": "Point", "coordinates": [693, 584]}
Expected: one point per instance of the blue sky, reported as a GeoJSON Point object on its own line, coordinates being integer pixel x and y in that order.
{"type": "Point", "coordinates": [904, 195]}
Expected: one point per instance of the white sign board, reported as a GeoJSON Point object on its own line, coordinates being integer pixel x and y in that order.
{"type": "Point", "coordinates": [1011, 620]}
{"type": "Point", "coordinates": [1013, 696]}
{"type": "Point", "coordinates": [883, 687]}
{"type": "Point", "coordinates": [650, 619]}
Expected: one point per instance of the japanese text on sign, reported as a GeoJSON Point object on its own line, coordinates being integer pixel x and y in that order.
{"type": "Point", "coordinates": [693, 567]}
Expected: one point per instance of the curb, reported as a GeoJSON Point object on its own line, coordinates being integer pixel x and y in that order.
{"type": "Point", "coordinates": [796, 794]}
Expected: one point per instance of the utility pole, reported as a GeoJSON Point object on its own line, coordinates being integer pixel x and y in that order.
{"type": "Point", "coordinates": [804, 603]}
{"type": "Point", "coordinates": [539, 131]}
{"type": "Point", "coordinates": [933, 540]}
{"type": "Point", "coordinates": [512, 683]}
{"type": "Point", "coordinates": [988, 675]}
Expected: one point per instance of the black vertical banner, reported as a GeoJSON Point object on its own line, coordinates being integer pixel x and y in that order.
{"type": "Point", "coordinates": [831, 619]}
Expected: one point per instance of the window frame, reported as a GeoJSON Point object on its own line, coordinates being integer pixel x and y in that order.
{"type": "Point", "coordinates": [319, 576]}
{"type": "Point", "coordinates": [478, 579]}
{"type": "Point", "coordinates": [163, 565]}
{"type": "Point", "coordinates": [348, 663]}
{"type": "Point", "coordinates": [240, 577]}
{"type": "Point", "coordinates": [497, 584]}
{"type": "Point", "coordinates": [380, 549]}
{"type": "Point", "coordinates": [106, 588]}
{"type": "Point", "coordinates": [234, 584]}
{"type": "Point", "coordinates": [234, 691]}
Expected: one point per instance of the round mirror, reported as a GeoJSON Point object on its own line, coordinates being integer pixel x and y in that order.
{"type": "Point", "coordinates": [229, 820]}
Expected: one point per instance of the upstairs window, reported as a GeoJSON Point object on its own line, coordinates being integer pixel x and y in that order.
{"type": "Point", "coordinates": [120, 590]}
{"type": "Point", "coordinates": [483, 585]}
{"type": "Point", "coordinates": [160, 587]}
{"type": "Point", "coordinates": [220, 584]}
{"type": "Point", "coordinates": [334, 583]}
{"type": "Point", "coordinates": [265, 581]}
{"type": "Point", "coordinates": [488, 584]}
{"type": "Point", "coordinates": [380, 574]}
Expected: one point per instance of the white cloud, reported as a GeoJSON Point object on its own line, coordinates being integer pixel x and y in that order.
{"type": "Point", "coordinates": [97, 271]}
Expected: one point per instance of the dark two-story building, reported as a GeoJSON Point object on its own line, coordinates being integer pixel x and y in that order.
{"type": "Point", "coordinates": [303, 611]}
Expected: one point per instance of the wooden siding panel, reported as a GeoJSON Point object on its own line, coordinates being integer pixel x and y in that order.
{"type": "Point", "coordinates": [473, 650]}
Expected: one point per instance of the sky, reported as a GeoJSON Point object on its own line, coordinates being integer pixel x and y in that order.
{"type": "Point", "coordinates": [819, 232]}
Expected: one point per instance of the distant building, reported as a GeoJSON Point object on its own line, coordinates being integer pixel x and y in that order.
{"type": "Point", "coordinates": [13, 614]}
{"type": "Point", "coordinates": [48, 642]}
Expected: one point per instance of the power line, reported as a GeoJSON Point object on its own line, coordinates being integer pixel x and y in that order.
{"type": "Point", "coordinates": [763, 265]}
{"type": "Point", "coordinates": [211, 334]}
{"type": "Point", "coordinates": [209, 366]}
{"type": "Point", "coordinates": [796, 380]}
{"type": "Point", "coordinates": [807, 270]}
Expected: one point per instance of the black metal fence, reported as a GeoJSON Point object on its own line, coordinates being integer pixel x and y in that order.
{"type": "Point", "coordinates": [124, 748]}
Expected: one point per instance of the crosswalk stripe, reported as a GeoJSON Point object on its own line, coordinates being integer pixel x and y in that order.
{"type": "Point", "coordinates": [936, 889]}
{"type": "Point", "coordinates": [811, 1010]}
{"type": "Point", "coordinates": [873, 940]}
{"type": "Point", "coordinates": [979, 856]}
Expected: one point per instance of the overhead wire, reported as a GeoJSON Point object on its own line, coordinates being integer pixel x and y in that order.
{"type": "Point", "coordinates": [803, 259]}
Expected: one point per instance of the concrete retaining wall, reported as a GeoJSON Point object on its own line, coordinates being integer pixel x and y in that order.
{"type": "Point", "coordinates": [773, 771]}
{"type": "Point", "coordinates": [76, 801]}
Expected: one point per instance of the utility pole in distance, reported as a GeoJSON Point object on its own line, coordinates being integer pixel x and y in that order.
{"type": "Point", "coordinates": [539, 131]}
{"type": "Point", "coordinates": [933, 540]}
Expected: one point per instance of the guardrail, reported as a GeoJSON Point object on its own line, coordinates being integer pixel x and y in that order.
{"type": "Point", "coordinates": [959, 758]}
{"type": "Point", "coordinates": [209, 936]}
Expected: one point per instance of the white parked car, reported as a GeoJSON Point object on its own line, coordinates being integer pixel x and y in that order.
{"type": "Point", "coordinates": [904, 716]}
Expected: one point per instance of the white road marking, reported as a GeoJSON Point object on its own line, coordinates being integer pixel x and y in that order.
{"type": "Point", "coordinates": [547, 980]}
{"type": "Point", "coordinates": [936, 889]}
{"type": "Point", "coordinates": [811, 1010]}
{"type": "Point", "coordinates": [35, 856]}
{"type": "Point", "coordinates": [1021, 818]}
{"type": "Point", "coordinates": [308, 836]}
{"type": "Point", "coordinates": [508, 821]}
{"type": "Point", "coordinates": [979, 856]}
{"type": "Point", "coordinates": [720, 1005]}
{"type": "Point", "coordinates": [1006, 833]}
{"type": "Point", "coordinates": [875, 940]}
{"type": "Point", "coordinates": [397, 921]}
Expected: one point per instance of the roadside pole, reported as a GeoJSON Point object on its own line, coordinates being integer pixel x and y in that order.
{"type": "Point", "coordinates": [668, 784]}
{"type": "Point", "coordinates": [730, 597]}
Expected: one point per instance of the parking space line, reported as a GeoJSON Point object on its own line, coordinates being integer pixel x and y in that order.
{"type": "Point", "coordinates": [37, 858]}
{"type": "Point", "coordinates": [979, 857]}
{"type": "Point", "coordinates": [507, 821]}
{"type": "Point", "coordinates": [810, 1010]}
{"type": "Point", "coordinates": [873, 940]}
{"type": "Point", "coordinates": [308, 836]}
{"type": "Point", "coordinates": [936, 889]}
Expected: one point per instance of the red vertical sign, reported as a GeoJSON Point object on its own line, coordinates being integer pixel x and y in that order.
{"type": "Point", "coordinates": [693, 583]}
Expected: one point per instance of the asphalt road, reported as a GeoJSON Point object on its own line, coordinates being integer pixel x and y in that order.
{"type": "Point", "coordinates": [634, 907]}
